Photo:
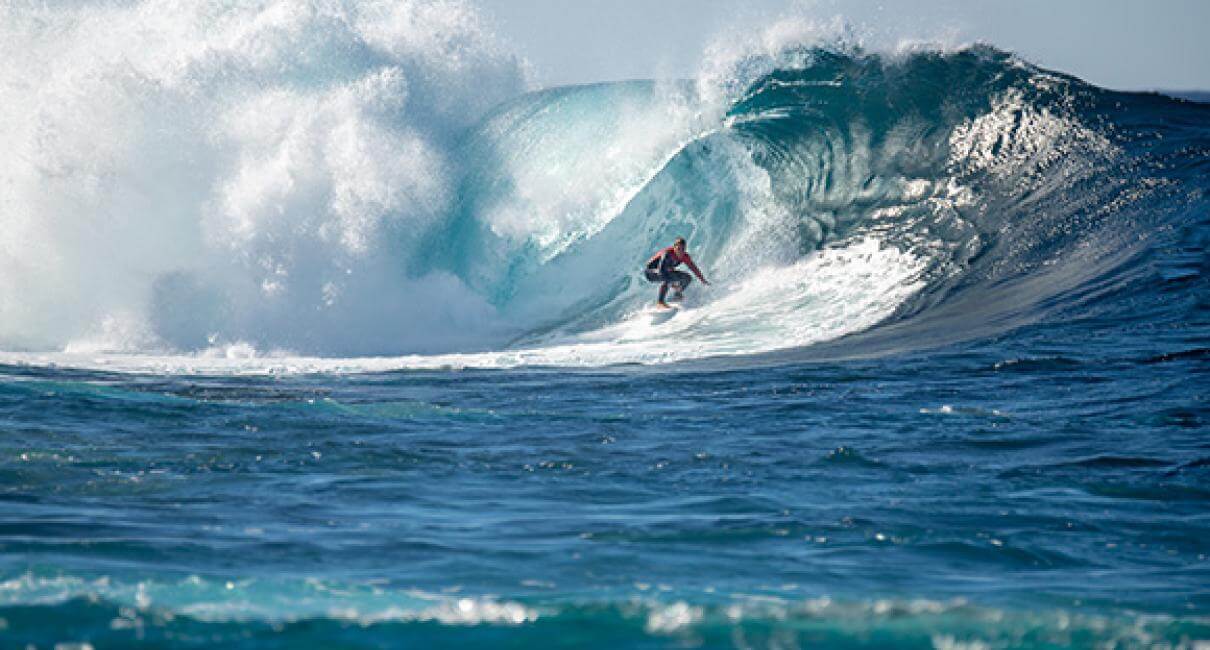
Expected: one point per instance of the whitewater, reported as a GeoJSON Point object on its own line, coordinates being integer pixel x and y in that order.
{"type": "Point", "coordinates": [321, 323]}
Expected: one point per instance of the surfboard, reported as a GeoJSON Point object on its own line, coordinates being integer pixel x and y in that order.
{"type": "Point", "coordinates": [659, 314]}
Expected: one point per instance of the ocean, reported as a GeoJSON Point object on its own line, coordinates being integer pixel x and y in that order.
{"type": "Point", "coordinates": [321, 325]}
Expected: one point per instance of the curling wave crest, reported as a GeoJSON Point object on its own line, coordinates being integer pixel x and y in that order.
{"type": "Point", "coordinates": [373, 185]}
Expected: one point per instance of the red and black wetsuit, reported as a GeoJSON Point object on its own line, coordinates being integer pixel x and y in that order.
{"type": "Point", "coordinates": [662, 268]}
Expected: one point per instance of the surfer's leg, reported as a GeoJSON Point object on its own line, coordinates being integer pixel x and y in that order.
{"type": "Point", "coordinates": [654, 275]}
{"type": "Point", "coordinates": [681, 280]}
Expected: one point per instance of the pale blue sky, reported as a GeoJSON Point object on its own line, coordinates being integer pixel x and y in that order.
{"type": "Point", "coordinates": [1124, 44]}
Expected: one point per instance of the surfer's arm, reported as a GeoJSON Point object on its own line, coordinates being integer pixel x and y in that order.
{"type": "Point", "coordinates": [693, 267]}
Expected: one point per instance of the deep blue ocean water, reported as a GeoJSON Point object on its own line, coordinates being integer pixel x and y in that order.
{"type": "Point", "coordinates": [978, 493]}
{"type": "Point", "coordinates": [316, 335]}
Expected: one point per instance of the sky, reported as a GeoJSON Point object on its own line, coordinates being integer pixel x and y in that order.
{"type": "Point", "coordinates": [1120, 44]}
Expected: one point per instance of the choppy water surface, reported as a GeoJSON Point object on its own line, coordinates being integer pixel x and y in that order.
{"type": "Point", "coordinates": [973, 494]}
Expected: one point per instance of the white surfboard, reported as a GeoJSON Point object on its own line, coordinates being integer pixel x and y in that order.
{"type": "Point", "coordinates": [659, 314]}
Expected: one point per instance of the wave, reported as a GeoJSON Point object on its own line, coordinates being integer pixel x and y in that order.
{"type": "Point", "coordinates": [216, 201]}
{"type": "Point", "coordinates": [203, 611]}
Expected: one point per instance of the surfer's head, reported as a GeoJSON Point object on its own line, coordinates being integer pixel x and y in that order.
{"type": "Point", "coordinates": [679, 244]}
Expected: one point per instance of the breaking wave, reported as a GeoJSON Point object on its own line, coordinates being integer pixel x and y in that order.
{"type": "Point", "coordinates": [289, 185]}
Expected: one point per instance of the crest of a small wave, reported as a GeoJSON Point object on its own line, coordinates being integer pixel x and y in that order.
{"type": "Point", "coordinates": [188, 175]}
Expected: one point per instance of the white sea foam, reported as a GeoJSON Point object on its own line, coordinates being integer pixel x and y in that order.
{"type": "Point", "coordinates": [831, 293]}
{"type": "Point", "coordinates": [215, 600]}
{"type": "Point", "coordinates": [181, 170]}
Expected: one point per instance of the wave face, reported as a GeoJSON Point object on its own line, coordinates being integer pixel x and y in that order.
{"type": "Point", "coordinates": [374, 179]}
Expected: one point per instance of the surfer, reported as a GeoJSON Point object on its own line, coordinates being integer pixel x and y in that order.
{"type": "Point", "coordinates": [662, 268]}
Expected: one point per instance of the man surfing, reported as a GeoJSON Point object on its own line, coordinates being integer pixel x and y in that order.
{"type": "Point", "coordinates": [662, 268]}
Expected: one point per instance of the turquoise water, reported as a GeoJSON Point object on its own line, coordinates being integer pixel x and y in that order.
{"type": "Point", "coordinates": [324, 337]}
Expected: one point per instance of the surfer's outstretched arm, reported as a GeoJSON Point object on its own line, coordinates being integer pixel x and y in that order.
{"type": "Point", "coordinates": [693, 267]}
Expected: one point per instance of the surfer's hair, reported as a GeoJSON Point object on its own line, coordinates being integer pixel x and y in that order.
{"type": "Point", "coordinates": [680, 241]}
